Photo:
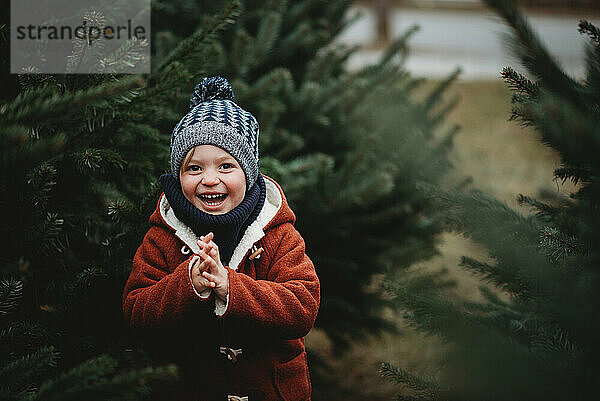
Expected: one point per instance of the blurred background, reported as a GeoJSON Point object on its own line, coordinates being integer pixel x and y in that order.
{"type": "Point", "coordinates": [464, 33]}
{"type": "Point", "coordinates": [501, 157]}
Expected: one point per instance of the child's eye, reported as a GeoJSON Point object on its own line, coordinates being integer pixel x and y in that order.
{"type": "Point", "coordinates": [228, 165]}
{"type": "Point", "coordinates": [193, 167]}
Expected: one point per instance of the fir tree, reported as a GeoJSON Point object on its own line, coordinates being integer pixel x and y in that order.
{"type": "Point", "coordinates": [535, 337]}
{"type": "Point", "coordinates": [324, 131]}
{"type": "Point", "coordinates": [80, 157]}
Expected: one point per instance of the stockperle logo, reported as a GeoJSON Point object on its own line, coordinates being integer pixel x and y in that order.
{"type": "Point", "coordinates": [80, 36]}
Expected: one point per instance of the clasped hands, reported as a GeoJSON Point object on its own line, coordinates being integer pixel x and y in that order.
{"type": "Point", "coordinates": [208, 271]}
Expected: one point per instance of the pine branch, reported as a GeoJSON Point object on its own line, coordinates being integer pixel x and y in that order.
{"type": "Point", "coordinates": [335, 11]}
{"type": "Point", "coordinates": [439, 116]}
{"type": "Point", "coordinates": [517, 110]}
{"type": "Point", "coordinates": [399, 46]}
{"type": "Point", "coordinates": [589, 29]}
{"type": "Point", "coordinates": [88, 276]}
{"type": "Point", "coordinates": [428, 386]}
{"type": "Point", "coordinates": [93, 380]}
{"type": "Point", "coordinates": [83, 52]}
{"type": "Point", "coordinates": [21, 151]}
{"type": "Point", "coordinates": [435, 96]}
{"type": "Point", "coordinates": [519, 82]}
{"type": "Point", "coordinates": [77, 379]}
{"type": "Point", "coordinates": [299, 11]}
{"type": "Point", "coordinates": [569, 129]}
{"type": "Point", "coordinates": [22, 336]}
{"type": "Point", "coordinates": [32, 79]}
{"type": "Point", "coordinates": [48, 232]}
{"type": "Point", "coordinates": [323, 66]}
{"type": "Point", "coordinates": [299, 172]}
{"type": "Point", "coordinates": [427, 312]}
{"type": "Point", "coordinates": [226, 17]}
{"type": "Point", "coordinates": [500, 317]}
{"type": "Point", "coordinates": [543, 210]}
{"type": "Point", "coordinates": [97, 160]}
{"type": "Point", "coordinates": [268, 33]}
{"type": "Point", "coordinates": [41, 181]}
{"type": "Point", "coordinates": [268, 85]}
{"type": "Point", "coordinates": [558, 245]}
{"type": "Point", "coordinates": [121, 210]}
{"type": "Point", "coordinates": [402, 397]}
{"type": "Point", "coordinates": [129, 56]}
{"type": "Point", "coordinates": [300, 36]}
{"type": "Point", "coordinates": [553, 339]}
{"type": "Point", "coordinates": [11, 291]}
{"type": "Point", "coordinates": [44, 103]}
{"type": "Point", "coordinates": [19, 374]}
{"type": "Point", "coordinates": [574, 173]}
{"type": "Point", "coordinates": [528, 48]}
{"type": "Point", "coordinates": [500, 276]}
{"type": "Point", "coordinates": [492, 298]}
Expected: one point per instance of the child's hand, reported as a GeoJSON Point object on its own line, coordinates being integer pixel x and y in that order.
{"type": "Point", "coordinates": [216, 273]}
{"type": "Point", "coordinates": [199, 282]}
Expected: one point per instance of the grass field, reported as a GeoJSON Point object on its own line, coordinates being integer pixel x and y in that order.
{"type": "Point", "coordinates": [502, 159]}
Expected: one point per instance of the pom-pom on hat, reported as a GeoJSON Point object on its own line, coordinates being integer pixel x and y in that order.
{"type": "Point", "coordinates": [214, 119]}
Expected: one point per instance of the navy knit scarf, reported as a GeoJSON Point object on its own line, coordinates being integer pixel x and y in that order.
{"type": "Point", "coordinates": [228, 227]}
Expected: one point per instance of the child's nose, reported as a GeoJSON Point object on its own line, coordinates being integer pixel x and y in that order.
{"type": "Point", "coordinates": [210, 178]}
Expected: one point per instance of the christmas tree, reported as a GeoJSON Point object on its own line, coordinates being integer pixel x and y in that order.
{"type": "Point", "coordinates": [80, 158]}
{"type": "Point", "coordinates": [82, 155]}
{"type": "Point", "coordinates": [535, 335]}
{"type": "Point", "coordinates": [324, 131]}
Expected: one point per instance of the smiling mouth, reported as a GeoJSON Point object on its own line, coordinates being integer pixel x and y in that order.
{"type": "Point", "coordinates": [213, 200]}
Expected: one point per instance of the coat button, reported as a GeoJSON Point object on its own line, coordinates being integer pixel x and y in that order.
{"type": "Point", "coordinates": [256, 253]}
{"type": "Point", "coordinates": [232, 354]}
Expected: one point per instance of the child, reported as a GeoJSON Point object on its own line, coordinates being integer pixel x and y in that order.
{"type": "Point", "coordinates": [221, 279]}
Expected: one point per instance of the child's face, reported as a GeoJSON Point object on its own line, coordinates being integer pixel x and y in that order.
{"type": "Point", "coordinates": [212, 170]}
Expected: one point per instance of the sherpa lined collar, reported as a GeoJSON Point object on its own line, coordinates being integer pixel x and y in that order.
{"type": "Point", "coordinates": [254, 232]}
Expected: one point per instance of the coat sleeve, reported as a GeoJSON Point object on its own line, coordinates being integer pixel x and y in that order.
{"type": "Point", "coordinates": [154, 296]}
{"type": "Point", "coordinates": [287, 301]}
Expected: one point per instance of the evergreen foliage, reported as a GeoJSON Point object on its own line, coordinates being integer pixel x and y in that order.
{"type": "Point", "coordinates": [535, 336]}
{"type": "Point", "coordinates": [80, 159]}
{"type": "Point", "coordinates": [81, 156]}
{"type": "Point", "coordinates": [324, 131]}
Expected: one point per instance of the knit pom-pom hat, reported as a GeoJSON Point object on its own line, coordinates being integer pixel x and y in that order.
{"type": "Point", "coordinates": [214, 119]}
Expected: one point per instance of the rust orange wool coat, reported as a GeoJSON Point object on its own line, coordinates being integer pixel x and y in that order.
{"type": "Point", "coordinates": [251, 346]}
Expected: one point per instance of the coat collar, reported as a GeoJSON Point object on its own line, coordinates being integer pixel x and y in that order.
{"type": "Point", "coordinates": [274, 203]}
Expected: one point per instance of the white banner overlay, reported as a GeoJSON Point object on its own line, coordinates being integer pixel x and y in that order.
{"type": "Point", "coordinates": [80, 36]}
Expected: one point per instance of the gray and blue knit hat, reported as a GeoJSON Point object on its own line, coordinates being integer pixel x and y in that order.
{"type": "Point", "coordinates": [214, 119]}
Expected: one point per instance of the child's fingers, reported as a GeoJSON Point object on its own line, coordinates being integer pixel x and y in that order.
{"type": "Point", "coordinates": [201, 244]}
{"type": "Point", "coordinates": [213, 249]}
{"type": "Point", "coordinates": [200, 265]}
{"type": "Point", "coordinates": [214, 253]}
{"type": "Point", "coordinates": [196, 263]}
{"type": "Point", "coordinates": [197, 276]}
{"type": "Point", "coordinates": [210, 249]}
{"type": "Point", "coordinates": [207, 264]}
{"type": "Point", "coordinates": [207, 238]}
{"type": "Point", "coordinates": [204, 282]}
{"type": "Point", "coordinates": [210, 277]}
{"type": "Point", "coordinates": [207, 244]}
